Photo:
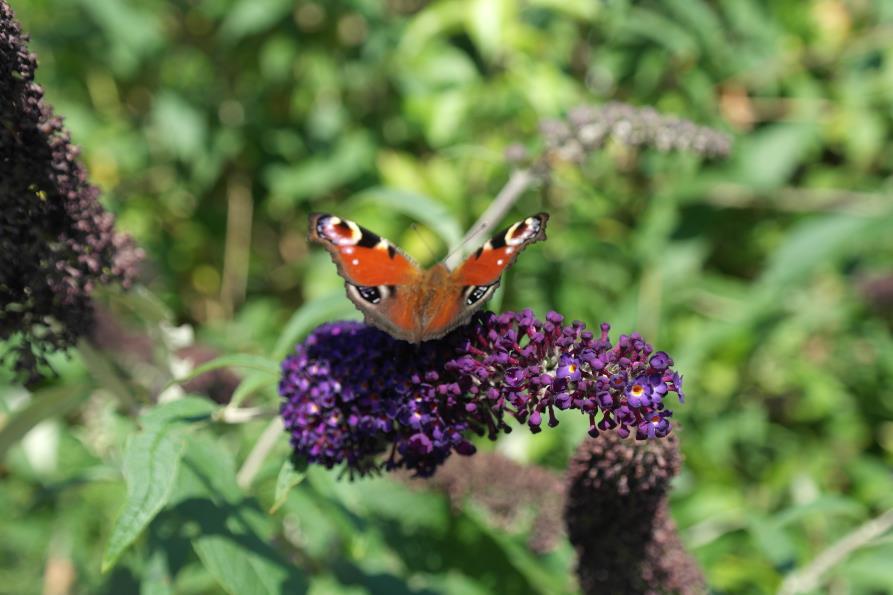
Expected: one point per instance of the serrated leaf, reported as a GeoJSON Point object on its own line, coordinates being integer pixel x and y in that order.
{"type": "Point", "coordinates": [236, 564]}
{"type": "Point", "coordinates": [186, 409]}
{"type": "Point", "coordinates": [151, 460]}
{"type": "Point", "coordinates": [233, 541]}
{"type": "Point", "coordinates": [289, 477]}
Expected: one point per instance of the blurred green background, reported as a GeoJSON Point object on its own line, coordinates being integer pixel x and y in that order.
{"type": "Point", "coordinates": [214, 127]}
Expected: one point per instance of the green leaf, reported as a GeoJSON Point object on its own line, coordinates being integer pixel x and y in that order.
{"type": "Point", "coordinates": [313, 177]}
{"type": "Point", "coordinates": [869, 569]}
{"type": "Point", "coordinates": [826, 506]}
{"type": "Point", "coordinates": [771, 538]}
{"type": "Point", "coordinates": [180, 126]}
{"type": "Point", "coordinates": [245, 569]}
{"type": "Point", "coordinates": [289, 477]}
{"type": "Point", "coordinates": [238, 360]}
{"type": "Point", "coordinates": [44, 404]}
{"type": "Point", "coordinates": [186, 409]}
{"type": "Point", "coordinates": [234, 537]}
{"type": "Point", "coordinates": [582, 10]}
{"type": "Point", "coordinates": [538, 577]}
{"type": "Point", "coordinates": [151, 460]}
{"type": "Point", "coordinates": [419, 207]}
{"type": "Point", "coordinates": [812, 243]}
{"type": "Point", "coordinates": [307, 317]}
{"type": "Point", "coordinates": [141, 302]}
{"type": "Point", "coordinates": [247, 17]}
{"type": "Point", "coordinates": [156, 578]}
{"type": "Point", "coordinates": [488, 24]}
{"type": "Point", "coordinates": [769, 157]}
{"type": "Point", "coordinates": [250, 385]}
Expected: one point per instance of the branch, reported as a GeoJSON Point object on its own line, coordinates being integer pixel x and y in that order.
{"type": "Point", "coordinates": [234, 415]}
{"type": "Point", "coordinates": [259, 453]}
{"type": "Point", "coordinates": [520, 180]}
{"type": "Point", "coordinates": [810, 577]}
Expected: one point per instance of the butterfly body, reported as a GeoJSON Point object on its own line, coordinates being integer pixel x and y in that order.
{"type": "Point", "coordinates": [408, 302]}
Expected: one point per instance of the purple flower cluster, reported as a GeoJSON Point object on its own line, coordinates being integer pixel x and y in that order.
{"type": "Point", "coordinates": [518, 365]}
{"type": "Point", "coordinates": [353, 393]}
{"type": "Point", "coordinates": [56, 241]}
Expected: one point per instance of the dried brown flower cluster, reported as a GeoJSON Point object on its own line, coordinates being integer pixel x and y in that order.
{"type": "Point", "coordinates": [57, 243]}
{"type": "Point", "coordinates": [588, 128]}
{"type": "Point", "coordinates": [618, 520]}
{"type": "Point", "coordinates": [506, 490]}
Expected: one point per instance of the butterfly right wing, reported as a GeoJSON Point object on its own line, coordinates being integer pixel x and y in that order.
{"type": "Point", "coordinates": [376, 273]}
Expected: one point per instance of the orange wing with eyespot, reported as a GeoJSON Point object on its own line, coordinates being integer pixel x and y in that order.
{"type": "Point", "coordinates": [362, 257]}
{"type": "Point", "coordinates": [486, 266]}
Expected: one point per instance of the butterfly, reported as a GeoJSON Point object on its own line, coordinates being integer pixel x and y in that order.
{"type": "Point", "coordinates": [408, 302]}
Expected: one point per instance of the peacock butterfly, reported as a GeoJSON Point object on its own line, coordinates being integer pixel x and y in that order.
{"type": "Point", "coordinates": [406, 301]}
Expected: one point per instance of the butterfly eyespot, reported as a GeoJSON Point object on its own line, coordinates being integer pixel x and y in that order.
{"type": "Point", "coordinates": [522, 231]}
{"type": "Point", "coordinates": [339, 231]}
{"type": "Point", "coordinates": [370, 294]}
{"type": "Point", "coordinates": [476, 293]}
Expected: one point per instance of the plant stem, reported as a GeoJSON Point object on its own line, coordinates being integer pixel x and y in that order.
{"type": "Point", "coordinates": [520, 180]}
{"type": "Point", "coordinates": [238, 244]}
{"type": "Point", "coordinates": [259, 453]}
{"type": "Point", "coordinates": [810, 577]}
{"type": "Point", "coordinates": [235, 415]}
{"type": "Point", "coordinates": [105, 374]}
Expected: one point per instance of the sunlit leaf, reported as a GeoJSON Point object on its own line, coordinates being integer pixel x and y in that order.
{"type": "Point", "coordinates": [151, 460]}
{"type": "Point", "coordinates": [247, 17]}
{"type": "Point", "coordinates": [289, 477]}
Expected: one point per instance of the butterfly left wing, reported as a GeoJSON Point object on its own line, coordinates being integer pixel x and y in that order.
{"type": "Point", "coordinates": [474, 282]}
{"type": "Point", "coordinates": [363, 258]}
{"type": "Point", "coordinates": [378, 276]}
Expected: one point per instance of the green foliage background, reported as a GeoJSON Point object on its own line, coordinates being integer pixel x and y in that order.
{"type": "Point", "coordinates": [758, 274]}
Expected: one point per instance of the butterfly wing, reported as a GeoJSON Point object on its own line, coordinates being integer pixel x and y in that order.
{"type": "Point", "coordinates": [486, 266]}
{"type": "Point", "coordinates": [377, 274]}
{"type": "Point", "coordinates": [474, 282]}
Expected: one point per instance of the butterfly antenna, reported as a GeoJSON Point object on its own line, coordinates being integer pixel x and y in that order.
{"type": "Point", "coordinates": [415, 228]}
{"type": "Point", "coordinates": [464, 242]}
